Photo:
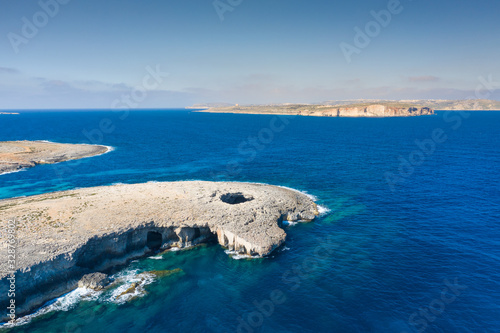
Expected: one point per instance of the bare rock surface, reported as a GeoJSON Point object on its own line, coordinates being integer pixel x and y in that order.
{"type": "Point", "coordinates": [62, 236]}
{"type": "Point", "coordinates": [96, 281]}
{"type": "Point", "coordinates": [16, 155]}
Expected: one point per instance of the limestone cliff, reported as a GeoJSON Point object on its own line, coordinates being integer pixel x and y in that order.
{"type": "Point", "coordinates": [370, 111]}
{"type": "Point", "coordinates": [355, 110]}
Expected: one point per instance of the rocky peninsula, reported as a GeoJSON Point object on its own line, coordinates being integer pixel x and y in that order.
{"type": "Point", "coordinates": [16, 155]}
{"type": "Point", "coordinates": [62, 236]}
{"type": "Point", "coordinates": [352, 110]}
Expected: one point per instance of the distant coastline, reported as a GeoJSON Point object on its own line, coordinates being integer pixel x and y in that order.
{"type": "Point", "coordinates": [355, 108]}
{"type": "Point", "coordinates": [354, 111]}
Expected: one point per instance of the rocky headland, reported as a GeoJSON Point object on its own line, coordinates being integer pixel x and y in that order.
{"type": "Point", "coordinates": [16, 155]}
{"type": "Point", "coordinates": [63, 236]}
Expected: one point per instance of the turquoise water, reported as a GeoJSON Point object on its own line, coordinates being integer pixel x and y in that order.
{"type": "Point", "coordinates": [396, 235]}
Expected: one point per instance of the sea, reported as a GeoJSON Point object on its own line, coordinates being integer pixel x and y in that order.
{"type": "Point", "coordinates": [408, 240]}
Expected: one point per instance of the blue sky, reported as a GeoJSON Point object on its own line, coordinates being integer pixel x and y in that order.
{"type": "Point", "coordinates": [89, 54]}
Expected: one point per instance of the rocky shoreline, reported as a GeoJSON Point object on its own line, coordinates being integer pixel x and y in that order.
{"type": "Point", "coordinates": [17, 155]}
{"type": "Point", "coordinates": [62, 236]}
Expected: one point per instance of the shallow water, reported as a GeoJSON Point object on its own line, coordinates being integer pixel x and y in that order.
{"type": "Point", "coordinates": [376, 259]}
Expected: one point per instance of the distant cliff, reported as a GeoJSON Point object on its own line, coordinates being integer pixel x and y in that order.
{"type": "Point", "coordinates": [355, 110]}
{"type": "Point", "coordinates": [358, 107]}
{"type": "Point", "coordinates": [370, 111]}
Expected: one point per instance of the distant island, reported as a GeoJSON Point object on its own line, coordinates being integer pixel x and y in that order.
{"type": "Point", "coordinates": [17, 155]}
{"type": "Point", "coordinates": [354, 108]}
{"type": "Point", "coordinates": [357, 110]}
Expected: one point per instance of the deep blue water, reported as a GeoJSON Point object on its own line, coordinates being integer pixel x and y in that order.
{"type": "Point", "coordinates": [386, 252]}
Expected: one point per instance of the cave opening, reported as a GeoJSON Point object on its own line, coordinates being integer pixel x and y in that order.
{"type": "Point", "coordinates": [235, 198]}
{"type": "Point", "coordinates": [154, 240]}
{"type": "Point", "coordinates": [197, 233]}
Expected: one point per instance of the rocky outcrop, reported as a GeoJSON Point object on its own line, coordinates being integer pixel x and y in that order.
{"type": "Point", "coordinates": [63, 236]}
{"type": "Point", "coordinates": [96, 281]}
{"type": "Point", "coordinates": [16, 155]}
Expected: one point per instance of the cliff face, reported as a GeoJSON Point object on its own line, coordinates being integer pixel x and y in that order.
{"type": "Point", "coordinates": [355, 110]}
{"type": "Point", "coordinates": [370, 111]}
{"type": "Point", "coordinates": [65, 235]}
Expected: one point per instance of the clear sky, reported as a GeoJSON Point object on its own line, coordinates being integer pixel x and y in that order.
{"type": "Point", "coordinates": [90, 53]}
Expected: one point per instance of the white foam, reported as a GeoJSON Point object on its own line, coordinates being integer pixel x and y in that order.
{"type": "Point", "coordinates": [63, 303]}
{"type": "Point", "coordinates": [322, 210]}
{"type": "Point", "coordinates": [290, 223]}
{"type": "Point", "coordinates": [110, 149]}
{"type": "Point", "coordinates": [237, 256]}
{"type": "Point", "coordinates": [127, 278]}
{"type": "Point", "coordinates": [5, 173]}
{"type": "Point", "coordinates": [156, 258]}
{"type": "Point", "coordinates": [310, 196]}
{"type": "Point", "coordinates": [184, 248]}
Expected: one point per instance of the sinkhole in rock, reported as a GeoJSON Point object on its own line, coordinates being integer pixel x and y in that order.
{"type": "Point", "coordinates": [235, 198]}
{"type": "Point", "coordinates": [154, 240]}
